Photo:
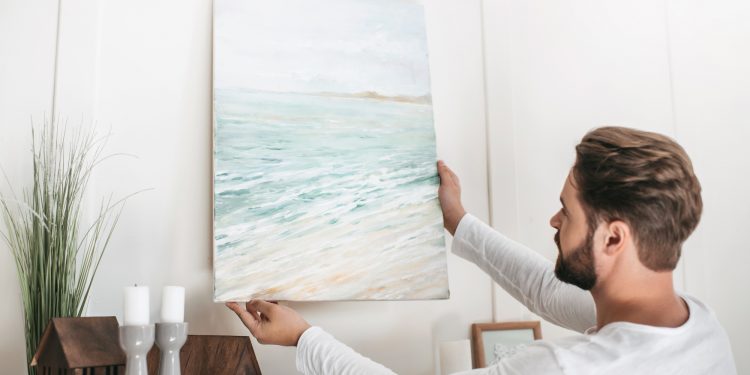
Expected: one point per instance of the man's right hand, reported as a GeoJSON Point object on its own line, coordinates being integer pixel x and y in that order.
{"type": "Point", "coordinates": [450, 198]}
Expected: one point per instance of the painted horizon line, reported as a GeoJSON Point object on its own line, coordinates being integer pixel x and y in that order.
{"type": "Point", "coordinates": [374, 95]}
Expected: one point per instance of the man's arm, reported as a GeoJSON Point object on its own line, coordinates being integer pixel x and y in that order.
{"type": "Point", "coordinates": [536, 358]}
{"type": "Point", "coordinates": [523, 273]}
{"type": "Point", "coordinates": [318, 353]}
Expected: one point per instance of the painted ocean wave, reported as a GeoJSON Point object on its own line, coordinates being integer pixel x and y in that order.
{"type": "Point", "coordinates": [325, 198]}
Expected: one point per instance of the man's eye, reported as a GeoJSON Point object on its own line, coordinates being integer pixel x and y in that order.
{"type": "Point", "coordinates": [564, 212]}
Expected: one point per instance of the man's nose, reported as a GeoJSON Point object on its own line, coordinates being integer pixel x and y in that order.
{"type": "Point", "coordinates": [554, 221]}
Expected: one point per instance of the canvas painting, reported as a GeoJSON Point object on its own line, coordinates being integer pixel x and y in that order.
{"type": "Point", "coordinates": [325, 182]}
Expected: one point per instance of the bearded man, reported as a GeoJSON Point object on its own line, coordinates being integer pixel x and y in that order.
{"type": "Point", "coordinates": [628, 204]}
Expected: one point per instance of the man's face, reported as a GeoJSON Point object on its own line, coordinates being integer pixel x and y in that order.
{"type": "Point", "coordinates": [575, 240]}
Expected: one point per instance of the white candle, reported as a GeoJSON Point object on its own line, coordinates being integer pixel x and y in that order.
{"type": "Point", "coordinates": [136, 306]}
{"type": "Point", "coordinates": [173, 304]}
{"type": "Point", "coordinates": [455, 356]}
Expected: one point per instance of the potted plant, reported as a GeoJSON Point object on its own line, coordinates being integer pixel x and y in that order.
{"type": "Point", "coordinates": [57, 255]}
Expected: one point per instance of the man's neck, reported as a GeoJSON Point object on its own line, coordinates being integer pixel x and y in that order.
{"type": "Point", "coordinates": [649, 300]}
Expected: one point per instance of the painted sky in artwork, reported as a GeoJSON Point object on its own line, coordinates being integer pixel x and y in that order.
{"type": "Point", "coordinates": [347, 46]}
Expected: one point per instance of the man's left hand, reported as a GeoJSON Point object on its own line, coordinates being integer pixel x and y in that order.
{"type": "Point", "coordinates": [270, 323]}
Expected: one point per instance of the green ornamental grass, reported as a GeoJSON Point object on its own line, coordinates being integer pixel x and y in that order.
{"type": "Point", "coordinates": [56, 255]}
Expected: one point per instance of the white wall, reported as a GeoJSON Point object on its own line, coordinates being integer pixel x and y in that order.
{"type": "Point", "coordinates": [142, 70]}
{"type": "Point", "coordinates": [710, 54]}
{"type": "Point", "coordinates": [558, 69]}
{"type": "Point", "coordinates": [553, 70]}
{"type": "Point", "coordinates": [27, 63]}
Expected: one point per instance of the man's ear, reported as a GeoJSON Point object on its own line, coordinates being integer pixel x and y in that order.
{"type": "Point", "coordinates": [616, 236]}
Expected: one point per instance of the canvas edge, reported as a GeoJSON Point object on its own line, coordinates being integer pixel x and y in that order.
{"type": "Point", "coordinates": [213, 152]}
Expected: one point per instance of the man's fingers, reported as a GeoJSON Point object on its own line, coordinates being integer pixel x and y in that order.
{"type": "Point", "coordinates": [242, 313]}
{"type": "Point", "coordinates": [265, 308]}
{"type": "Point", "coordinates": [250, 320]}
{"type": "Point", "coordinates": [446, 174]}
{"type": "Point", "coordinates": [454, 177]}
{"type": "Point", "coordinates": [249, 307]}
{"type": "Point", "coordinates": [234, 306]}
{"type": "Point", "coordinates": [254, 310]}
{"type": "Point", "coordinates": [443, 171]}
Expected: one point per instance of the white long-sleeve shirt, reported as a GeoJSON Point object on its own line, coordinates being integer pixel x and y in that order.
{"type": "Point", "coordinates": [699, 346]}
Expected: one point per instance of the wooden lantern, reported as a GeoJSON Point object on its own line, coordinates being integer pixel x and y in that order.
{"type": "Point", "coordinates": [80, 346]}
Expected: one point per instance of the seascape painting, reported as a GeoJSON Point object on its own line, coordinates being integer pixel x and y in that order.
{"type": "Point", "coordinates": [325, 179]}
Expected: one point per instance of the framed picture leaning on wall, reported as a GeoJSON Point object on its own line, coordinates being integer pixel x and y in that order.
{"type": "Point", "coordinates": [491, 342]}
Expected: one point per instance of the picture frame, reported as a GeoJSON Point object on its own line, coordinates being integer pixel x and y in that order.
{"type": "Point", "coordinates": [493, 341]}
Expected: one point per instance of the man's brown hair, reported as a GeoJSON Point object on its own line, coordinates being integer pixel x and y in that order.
{"type": "Point", "coordinates": [644, 179]}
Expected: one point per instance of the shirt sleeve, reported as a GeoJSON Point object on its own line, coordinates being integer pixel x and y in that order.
{"type": "Point", "coordinates": [524, 274]}
{"type": "Point", "coordinates": [536, 358]}
{"type": "Point", "coordinates": [318, 353]}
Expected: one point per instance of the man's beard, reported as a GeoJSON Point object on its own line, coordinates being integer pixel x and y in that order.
{"type": "Point", "coordinates": [578, 267]}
